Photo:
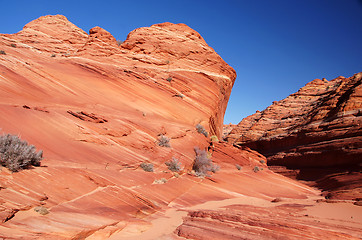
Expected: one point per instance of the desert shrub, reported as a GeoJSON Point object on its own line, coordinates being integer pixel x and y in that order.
{"type": "Point", "coordinates": [174, 165]}
{"type": "Point", "coordinates": [262, 161]}
{"type": "Point", "coordinates": [16, 154]}
{"type": "Point", "coordinates": [53, 55]}
{"type": "Point", "coordinates": [238, 167]}
{"type": "Point", "coordinates": [256, 169]}
{"type": "Point", "coordinates": [169, 79]}
{"type": "Point", "coordinates": [2, 52]}
{"type": "Point", "coordinates": [201, 129]}
{"type": "Point", "coordinates": [13, 45]}
{"type": "Point", "coordinates": [160, 181]}
{"type": "Point", "coordinates": [275, 200]}
{"type": "Point", "coordinates": [179, 95]}
{"type": "Point", "coordinates": [147, 167]}
{"type": "Point", "coordinates": [214, 138]}
{"type": "Point", "coordinates": [119, 42]}
{"type": "Point", "coordinates": [41, 210]}
{"type": "Point", "coordinates": [202, 164]}
{"type": "Point", "coordinates": [163, 141]}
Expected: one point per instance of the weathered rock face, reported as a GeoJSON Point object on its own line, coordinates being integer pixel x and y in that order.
{"type": "Point", "coordinates": [317, 130]}
{"type": "Point", "coordinates": [97, 110]}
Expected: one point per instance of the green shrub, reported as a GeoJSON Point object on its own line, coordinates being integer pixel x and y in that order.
{"type": "Point", "coordinates": [169, 79]}
{"type": "Point", "coordinates": [16, 154]}
{"type": "Point", "coordinates": [214, 138]}
{"type": "Point", "coordinates": [174, 165]}
{"type": "Point", "coordinates": [163, 141]}
{"type": "Point", "coordinates": [202, 164]}
{"type": "Point", "coordinates": [2, 52]}
{"type": "Point", "coordinates": [13, 45]}
{"type": "Point", "coordinates": [256, 169]}
{"type": "Point", "coordinates": [147, 167]}
{"type": "Point", "coordinates": [201, 129]}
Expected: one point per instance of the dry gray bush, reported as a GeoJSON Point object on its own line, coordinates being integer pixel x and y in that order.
{"type": "Point", "coordinates": [202, 164]}
{"type": "Point", "coordinates": [201, 129]}
{"type": "Point", "coordinates": [163, 141]}
{"type": "Point", "coordinates": [147, 167]}
{"type": "Point", "coordinates": [174, 165]}
{"type": "Point", "coordinates": [16, 154]}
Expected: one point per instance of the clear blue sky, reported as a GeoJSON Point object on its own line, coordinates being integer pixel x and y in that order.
{"type": "Point", "coordinates": [275, 46]}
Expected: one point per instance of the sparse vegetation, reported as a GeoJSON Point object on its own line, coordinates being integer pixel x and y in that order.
{"type": "Point", "coordinates": [256, 169]}
{"type": "Point", "coordinates": [179, 95]}
{"type": "Point", "coordinates": [119, 42]}
{"type": "Point", "coordinates": [201, 129]}
{"type": "Point", "coordinates": [41, 210]}
{"type": "Point", "coordinates": [147, 167]}
{"type": "Point", "coordinates": [53, 55]}
{"type": "Point", "coordinates": [169, 79]}
{"type": "Point", "coordinates": [13, 45]}
{"type": "Point", "coordinates": [160, 181]}
{"type": "Point", "coordinates": [2, 52]}
{"type": "Point", "coordinates": [202, 164]}
{"type": "Point", "coordinates": [214, 138]}
{"type": "Point", "coordinates": [16, 154]}
{"type": "Point", "coordinates": [262, 161]}
{"type": "Point", "coordinates": [174, 165]}
{"type": "Point", "coordinates": [275, 200]}
{"type": "Point", "coordinates": [164, 141]}
{"type": "Point", "coordinates": [238, 167]}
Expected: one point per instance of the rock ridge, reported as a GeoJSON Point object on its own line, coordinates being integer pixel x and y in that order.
{"type": "Point", "coordinates": [317, 127]}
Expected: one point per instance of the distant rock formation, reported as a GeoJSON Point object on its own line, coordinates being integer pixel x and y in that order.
{"type": "Point", "coordinates": [317, 130]}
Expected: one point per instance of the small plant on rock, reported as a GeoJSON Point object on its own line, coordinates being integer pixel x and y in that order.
{"type": "Point", "coordinates": [41, 210]}
{"type": "Point", "coordinates": [201, 129]}
{"type": "Point", "coordinates": [16, 154]}
{"type": "Point", "coordinates": [13, 45]}
{"type": "Point", "coordinates": [238, 167]}
{"type": "Point", "coordinates": [214, 138]}
{"type": "Point", "coordinates": [256, 169]}
{"type": "Point", "coordinates": [160, 181]}
{"type": "Point", "coordinates": [178, 95]}
{"type": "Point", "coordinates": [163, 141]}
{"type": "Point", "coordinates": [174, 165]}
{"type": "Point", "coordinates": [2, 52]}
{"type": "Point", "coordinates": [202, 164]}
{"type": "Point", "coordinates": [169, 79]}
{"type": "Point", "coordinates": [119, 42]}
{"type": "Point", "coordinates": [147, 167]}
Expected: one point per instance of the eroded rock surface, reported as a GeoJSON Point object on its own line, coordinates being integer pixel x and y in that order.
{"type": "Point", "coordinates": [317, 131]}
{"type": "Point", "coordinates": [97, 110]}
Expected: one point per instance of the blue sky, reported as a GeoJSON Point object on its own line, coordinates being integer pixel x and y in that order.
{"type": "Point", "coordinates": [275, 46]}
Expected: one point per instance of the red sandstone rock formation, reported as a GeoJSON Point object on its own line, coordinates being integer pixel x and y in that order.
{"type": "Point", "coordinates": [97, 110]}
{"type": "Point", "coordinates": [317, 130]}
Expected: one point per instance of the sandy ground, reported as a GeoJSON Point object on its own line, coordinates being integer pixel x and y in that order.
{"type": "Point", "coordinates": [163, 224]}
{"type": "Point", "coordinates": [345, 214]}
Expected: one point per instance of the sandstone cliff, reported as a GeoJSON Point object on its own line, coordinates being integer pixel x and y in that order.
{"type": "Point", "coordinates": [97, 110]}
{"type": "Point", "coordinates": [317, 130]}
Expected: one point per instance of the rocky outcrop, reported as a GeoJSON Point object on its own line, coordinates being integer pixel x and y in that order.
{"type": "Point", "coordinates": [98, 111]}
{"type": "Point", "coordinates": [317, 130]}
